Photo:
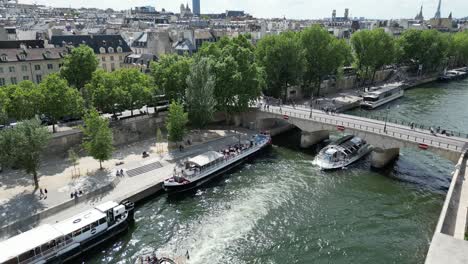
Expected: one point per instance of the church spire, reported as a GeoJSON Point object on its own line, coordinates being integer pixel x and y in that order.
{"type": "Point", "coordinates": [437, 14]}
{"type": "Point", "coordinates": [420, 15]}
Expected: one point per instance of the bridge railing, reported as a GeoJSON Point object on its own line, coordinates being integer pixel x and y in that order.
{"type": "Point", "coordinates": [352, 125]}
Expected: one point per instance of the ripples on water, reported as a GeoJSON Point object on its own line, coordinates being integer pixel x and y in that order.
{"type": "Point", "coordinates": [280, 209]}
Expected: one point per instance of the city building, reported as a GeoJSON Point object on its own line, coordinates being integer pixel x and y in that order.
{"type": "Point", "coordinates": [28, 60]}
{"type": "Point", "coordinates": [196, 7]}
{"type": "Point", "coordinates": [111, 50]}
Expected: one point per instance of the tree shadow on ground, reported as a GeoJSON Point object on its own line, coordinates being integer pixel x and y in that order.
{"type": "Point", "coordinates": [19, 207]}
{"type": "Point", "coordinates": [10, 178]}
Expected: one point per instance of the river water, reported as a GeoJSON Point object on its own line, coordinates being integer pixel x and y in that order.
{"type": "Point", "coordinates": [280, 209]}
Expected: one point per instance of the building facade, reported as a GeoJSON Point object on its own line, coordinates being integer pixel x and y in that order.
{"type": "Point", "coordinates": [27, 63]}
{"type": "Point", "coordinates": [111, 50]}
{"type": "Point", "coordinates": [196, 7]}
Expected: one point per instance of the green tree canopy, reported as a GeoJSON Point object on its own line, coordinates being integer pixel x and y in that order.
{"type": "Point", "coordinates": [373, 49]}
{"type": "Point", "coordinates": [135, 87]}
{"type": "Point", "coordinates": [176, 122]}
{"type": "Point", "coordinates": [200, 93]}
{"type": "Point", "coordinates": [282, 59]}
{"type": "Point", "coordinates": [324, 55]}
{"type": "Point", "coordinates": [58, 99]}
{"type": "Point", "coordinates": [104, 93]}
{"type": "Point", "coordinates": [97, 140]}
{"type": "Point", "coordinates": [426, 47]}
{"type": "Point", "coordinates": [23, 100]}
{"type": "Point", "coordinates": [79, 66]}
{"type": "Point", "coordinates": [23, 145]}
{"type": "Point", "coordinates": [169, 75]}
{"type": "Point", "coordinates": [460, 47]}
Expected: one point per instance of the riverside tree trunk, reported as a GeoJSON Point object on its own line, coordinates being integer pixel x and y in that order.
{"type": "Point", "coordinates": [36, 181]}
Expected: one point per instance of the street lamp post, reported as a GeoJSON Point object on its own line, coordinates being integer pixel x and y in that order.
{"type": "Point", "coordinates": [311, 106]}
{"type": "Point", "coordinates": [386, 118]}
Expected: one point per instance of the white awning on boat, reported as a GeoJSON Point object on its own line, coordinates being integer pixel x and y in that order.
{"type": "Point", "coordinates": [206, 158]}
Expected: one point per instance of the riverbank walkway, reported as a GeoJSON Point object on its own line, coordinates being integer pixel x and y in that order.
{"type": "Point", "coordinates": [28, 210]}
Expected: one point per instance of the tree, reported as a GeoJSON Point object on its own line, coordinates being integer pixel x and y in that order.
{"type": "Point", "coordinates": [200, 93]}
{"type": "Point", "coordinates": [324, 55]}
{"type": "Point", "coordinates": [134, 86]}
{"type": "Point", "coordinates": [58, 99]}
{"type": "Point", "coordinates": [460, 48]}
{"type": "Point", "coordinates": [169, 75]}
{"type": "Point", "coordinates": [23, 100]}
{"type": "Point", "coordinates": [423, 47]}
{"type": "Point", "coordinates": [25, 143]}
{"type": "Point", "coordinates": [104, 93]}
{"type": "Point", "coordinates": [176, 121]}
{"type": "Point", "coordinates": [3, 103]}
{"type": "Point", "coordinates": [97, 140]}
{"type": "Point", "coordinates": [159, 140]}
{"type": "Point", "coordinates": [282, 60]}
{"type": "Point", "coordinates": [373, 49]}
{"type": "Point", "coordinates": [79, 66]}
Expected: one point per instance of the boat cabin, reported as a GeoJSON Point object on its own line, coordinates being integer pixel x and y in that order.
{"type": "Point", "coordinates": [46, 241]}
{"type": "Point", "coordinates": [204, 160]}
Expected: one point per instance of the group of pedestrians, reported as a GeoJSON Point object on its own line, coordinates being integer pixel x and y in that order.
{"type": "Point", "coordinates": [119, 173]}
{"type": "Point", "coordinates": [76, 194]}
{"type": "Point", "coordinates": [42, 193]}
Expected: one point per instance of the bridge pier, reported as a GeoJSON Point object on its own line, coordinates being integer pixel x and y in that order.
{"type": "Point", "coordinates": [380, 158]}
{"type": "Point", "coordinates": [308, 139]}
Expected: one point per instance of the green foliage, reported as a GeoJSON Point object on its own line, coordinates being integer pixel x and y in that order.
{"type": "Point", "coordinates": [23, 100]}
{"type": "Point", "coordinates": [133, 88]}
{"type": "Point", "coordinates": [73, 157]}
{"type": "Point", "coordinates": [58, 99]}
{"type": "Point", "coordinates": [97, 139]}
{"type": "Point", "coordinates": [23, 145]}
{"type": "Point", "coordinates": [104, 93]}
{"type": "Point", "coordinates": [200, 93]}
{"type": "Point", "coordinates": [3, 103]}
{"type": "Point", "coordinates": [426, 47]}
{"type": "Point", "coordinates": [373, 49]}
{"type": "Point", "coordinates": [169, 75]}
{"type": "Point", "coordinates": [79, 66]}
{"type": "Point", "coordinates": [282, 58]}
{"type": "Point", "coordinates": [459, 47]}
{"type": "Point", "coordinates": [176, 121]}
{"type": "Point", "coordinates": [324, 55]}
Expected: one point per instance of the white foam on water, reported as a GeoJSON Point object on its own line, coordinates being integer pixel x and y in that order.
{"type": "Point", "coordinates": [209, 238]}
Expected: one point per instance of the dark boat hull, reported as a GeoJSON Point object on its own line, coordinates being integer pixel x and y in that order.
{"type": "Point", "coordinates": [171, 190]}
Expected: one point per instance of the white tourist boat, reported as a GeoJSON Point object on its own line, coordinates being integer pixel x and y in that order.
{"type": "Point", "coordinates": [66, 240]}
{"type": "Point", "coordinates": [342, 153]}
{"type": "Point", "coordinates": [378, 96]}
{"type": "Point", "coordinates": [202, 168]}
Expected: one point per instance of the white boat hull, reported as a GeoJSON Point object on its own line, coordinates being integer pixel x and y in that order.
{"type": "Point", "coordinates": [387, 100]}
{"type": "Point", "coordinates": [325, 165]}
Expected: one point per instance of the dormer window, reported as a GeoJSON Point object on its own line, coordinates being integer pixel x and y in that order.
{"type": "Point", "coordinates": [111, 50]}
{"type": "Point", "coordinates": [22, 56]}
{"type": "Point", "coordinates": [119, 49]}
{"type": "Point", "coordinates": [47, 55]}
{"type": "Point", "coordinates": [102, 50]}
{"type": "Point", "coordinates": [4, 57]}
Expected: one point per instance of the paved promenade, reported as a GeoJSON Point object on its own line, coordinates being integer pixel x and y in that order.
{"type": "Point", "coordinates": [399, 132]}
{"type": "Point", "coordinates": [141, 174]}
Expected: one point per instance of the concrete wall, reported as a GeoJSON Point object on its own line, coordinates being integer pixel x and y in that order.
{"type": "Point", "coordinates": [349, 82]}
{"type": "Point", "coordinates": [124, 132]}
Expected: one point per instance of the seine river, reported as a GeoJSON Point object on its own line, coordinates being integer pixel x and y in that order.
{"type": "Point", "coordinates": [280, 209]}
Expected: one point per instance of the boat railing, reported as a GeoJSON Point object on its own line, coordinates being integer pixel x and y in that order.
{"type": "Point", "coordinates": [229, 158]}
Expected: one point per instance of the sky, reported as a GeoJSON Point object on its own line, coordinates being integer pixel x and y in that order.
{"type": "Point", "coordinates": [299, 9]}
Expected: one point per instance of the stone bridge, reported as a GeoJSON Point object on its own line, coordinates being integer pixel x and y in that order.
{"type": "Point", "coordinates": [387, 138]}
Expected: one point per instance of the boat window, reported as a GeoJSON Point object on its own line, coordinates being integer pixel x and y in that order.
{"type": "Point", "coordinates": [26, 256]}
{"type": "Point", "coordinates": [68, 237]}
{"type": "Point", "coordinates": [371, 99]}
{"type": "Point", "coordinates": [77, 233]}
{"type": "Point", "coordinates": [85, 229]}
{"type": "Point", "coordinates": [11, 261]}
{"type": "Point", "coordinates": [102, 221]}
{"type": "Point", "coordinates": [93, 225]}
